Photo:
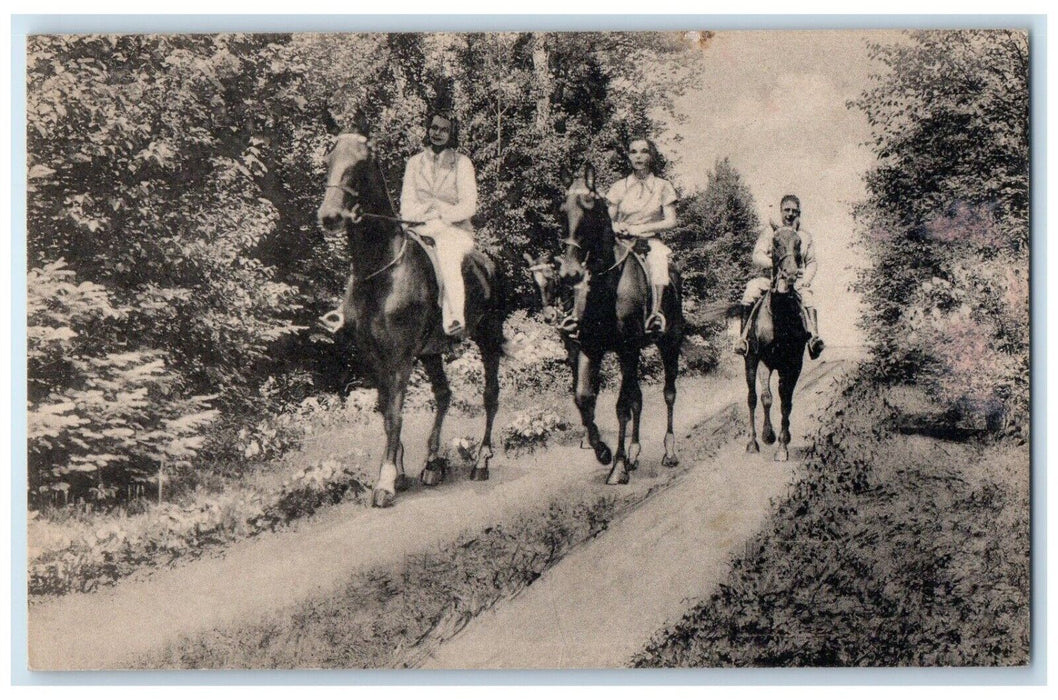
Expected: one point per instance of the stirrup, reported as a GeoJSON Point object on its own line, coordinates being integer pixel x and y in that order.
{"type": "Point", "coordinates": [333, 320]}
{"type": "Point", "coordinates": [569, 324]}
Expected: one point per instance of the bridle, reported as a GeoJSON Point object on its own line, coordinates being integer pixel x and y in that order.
{"type": "Point", "coordinates": [356, 217]}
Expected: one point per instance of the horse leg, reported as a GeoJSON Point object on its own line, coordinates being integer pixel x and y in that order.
{"type": "Point", "coordinates": [629, 386]}
{"type": "Point", "coordinates": [670, 358]}
{"type": "Point", "coordinates": [391, 395]}
{"type": "Point", "coordinates": [435, 468]}
{"type": "Point", "coordinates": [584, 396]}
{"type": "Point", "coordinates": [490, 359]}
{"type": "Point", "coordinates": [767, 433]}
{"type": "Point", "coordinates": [751, 401]}
{"type": "Point", "coordinates": [787, 382]}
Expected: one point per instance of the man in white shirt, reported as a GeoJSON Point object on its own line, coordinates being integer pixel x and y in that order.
{"type": "Point", "coordinates": [790, 208]}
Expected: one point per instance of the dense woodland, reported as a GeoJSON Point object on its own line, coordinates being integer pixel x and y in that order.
{"type": "Point", "coordinates": [175, 265]}
{"type": "Point", "coordinates": [946, 221]}
{"type": "Point", "coordinates": [176, 269]}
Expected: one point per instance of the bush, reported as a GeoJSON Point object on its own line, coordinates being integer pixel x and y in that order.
{"type": "Point", "coordinates": [99, 418]}
{"type": "Point", "coordinates": [946, 223]}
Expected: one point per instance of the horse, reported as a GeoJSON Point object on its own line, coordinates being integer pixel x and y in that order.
{"type": "Point", "coordinates": [392, 302]}
{"type": "Point", "coordinates": [777, 338]}
{"type": "Point", "coordinates": [617, 304]}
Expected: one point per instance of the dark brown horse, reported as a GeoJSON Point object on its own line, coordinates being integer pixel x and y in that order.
{"type": "Point", "coordinates": [618, 302]}
{"type": "Point", "coordinates": [392, 303]}
{"type": "Point", "coordinates": [777, 339]}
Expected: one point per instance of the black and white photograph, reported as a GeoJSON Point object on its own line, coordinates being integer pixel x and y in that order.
{"type": "Point", "coordinates": [529, 349]}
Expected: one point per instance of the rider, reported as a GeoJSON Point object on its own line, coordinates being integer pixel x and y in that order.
{"type": "Point", "coordinates": [790, 208]}
{"type": "Point", "coordinates": [440, 190]}
{"type": "Point", "coordinates": [641, 206]}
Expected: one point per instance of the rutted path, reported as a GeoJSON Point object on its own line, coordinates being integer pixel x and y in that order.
{"type": "Point", "coordinates": [601, 603]}
{"type": "Point", "coordinates": [271, 573]}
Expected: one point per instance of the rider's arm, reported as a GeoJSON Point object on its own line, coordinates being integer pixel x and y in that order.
{"type": "Point", "coordinates": [762, 250]}
{"type": "Point", "coordinates": [613, 199]}
{"type": "Point", "coordinates": [808, 256]}
{"type": "Point", "coordinates": [668, 220]}
{"type": "Point", "coordinates": [411, 207]}
{"type": "Point", "coordinates": [466, 191]}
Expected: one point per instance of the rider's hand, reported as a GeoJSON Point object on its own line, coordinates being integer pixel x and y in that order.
{"type": "Point", "coordinates": [620, 228]}
{"type": "Point", "coordinates": [353, 213]}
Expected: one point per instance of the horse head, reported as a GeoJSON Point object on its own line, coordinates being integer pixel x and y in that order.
{"type": "Point", "coordinates": [785, 259]}
{"type": "Point", "coordinates": [589, 232]}
{"type": "Point", "coordinates": [546, 278]}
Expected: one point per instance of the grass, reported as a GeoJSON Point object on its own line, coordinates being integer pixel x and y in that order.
{"type": "Point", "coordinates": [890, 550]}
{"type": "Point", "coordinates": [386, 618]}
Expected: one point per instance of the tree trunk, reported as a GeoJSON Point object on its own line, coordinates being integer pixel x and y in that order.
{"type": "Point", "coordinates": [541, 81]}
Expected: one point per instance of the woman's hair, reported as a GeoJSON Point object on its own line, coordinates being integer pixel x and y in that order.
{"type": "Point", "coordinates": [453, 133]}
{"type": "Point", "coordinates": [657, 161]}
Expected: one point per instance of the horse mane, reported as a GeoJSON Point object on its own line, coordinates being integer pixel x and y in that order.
{"type": "Point", "coordinates": [600, 238]}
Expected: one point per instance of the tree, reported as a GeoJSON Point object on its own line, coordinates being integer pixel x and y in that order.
{"type": "Point", "coordinates": [717, 229]}
{"type": "Point", "coordinates": [946, 218]}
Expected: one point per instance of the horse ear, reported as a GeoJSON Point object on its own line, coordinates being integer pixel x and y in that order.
{"type": "Point", "coordinates": [360, 122]}
{"type": "Point", "coordinates": [774, 226]}
{"type": "Point", "coordinates": [589, 176]}
{"type": "Point", "coordinates": [566, 177]}
{"type": "Point", "coordinates": [329, 123]}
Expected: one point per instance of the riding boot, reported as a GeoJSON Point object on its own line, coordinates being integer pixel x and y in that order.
{"type": "Point", "coordinates": [742, 346]}
{"type": "Point", "coordinates": [656, 323]}
{"type": "Point", "coordinates": [815, 343]}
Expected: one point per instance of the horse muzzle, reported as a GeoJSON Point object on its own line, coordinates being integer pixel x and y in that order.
{"type": "Point", "coordinates": [329, 218]}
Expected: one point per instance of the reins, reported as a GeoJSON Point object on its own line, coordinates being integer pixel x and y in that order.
{"type": "Point", "coordinates": [383, 217]}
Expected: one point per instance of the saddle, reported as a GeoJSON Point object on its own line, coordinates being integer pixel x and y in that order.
{"type": "Point", "coordinates": [481, 265]}
{"type": "Point", "coordinates": [764, 298]}
{"type": "Point", "coordinates": [635, 249]}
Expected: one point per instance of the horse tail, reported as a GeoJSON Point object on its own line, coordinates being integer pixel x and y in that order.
{"type": "Point", "coordinates": [492, 289]}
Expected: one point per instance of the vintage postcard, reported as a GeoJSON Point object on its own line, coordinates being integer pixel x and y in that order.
{"type": "Point", "coordinates": [528, 349]}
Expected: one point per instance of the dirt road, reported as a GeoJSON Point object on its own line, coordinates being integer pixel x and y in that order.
{"type": "Point", "coordinates": [685, 539]}
{"type": "Point", "coordinates": [601, 603]}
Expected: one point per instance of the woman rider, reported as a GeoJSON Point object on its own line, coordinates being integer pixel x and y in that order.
{"type": "Point", "coordinates": [440, 189]}
{"type": "Point", "coordinates": [641, 206]}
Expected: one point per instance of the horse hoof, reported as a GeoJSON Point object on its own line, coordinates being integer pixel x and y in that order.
{"type": "Point", "coordinates": [380, 498]}
{"type": "Point", "coordinates": [670, 461]}
{"type": "Point", "coordinates": [617, 477]}
{"type": "Point", "coordinates": [403, 483]}
{"type": "Point", "coordinates": [432, 476]}
{"type": "Point", "coordinates": [753, 447]}
{"type": "Point", "coordinates": [782, 456]}
{"type": "Point", "coordinates": [479, 474]}
{"type": "Point", "coordinates": [603, 454]}
{"type": "Point", "coordinates": [768, 436]}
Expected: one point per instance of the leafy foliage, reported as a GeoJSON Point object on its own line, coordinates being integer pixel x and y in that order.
{"type": "Point", "coordinates": [889, 551]}
{"type": "Point", "coordinates": [946, 223]}
{"type": "Point", "coordinates": [714, 239]}
{"type": "Point", "coordinates": [176, 177]}
{"type": "Point", "coordinates": [99, 416]}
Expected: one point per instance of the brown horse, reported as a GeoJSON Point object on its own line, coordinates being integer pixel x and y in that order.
{"type": "Point", "coordinates": [392, 303]}
{"type": "Point", "coordinates": [777, 338]}
{"type": "Point", "coordinates": [618, 302]}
